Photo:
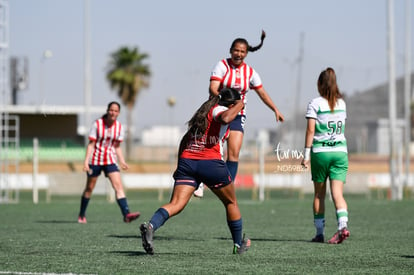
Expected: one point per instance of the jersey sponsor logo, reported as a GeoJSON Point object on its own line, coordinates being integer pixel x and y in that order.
{"type": "Point", "coordinates": [329, 143]}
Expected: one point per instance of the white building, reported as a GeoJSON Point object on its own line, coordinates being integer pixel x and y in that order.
{"type": "Point", "coordinates": [160, 135]}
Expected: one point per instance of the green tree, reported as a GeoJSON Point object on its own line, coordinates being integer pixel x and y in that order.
{"type": "Point", "coordinates": [128, 75]}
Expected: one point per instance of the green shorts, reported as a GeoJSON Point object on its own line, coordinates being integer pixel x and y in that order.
{"type": "Point", "coordinates": [329, 164]}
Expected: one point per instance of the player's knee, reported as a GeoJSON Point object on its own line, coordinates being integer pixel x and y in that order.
{"type": "Point", "coordinates": [231, 204]}
{"type": "Point", "coordinates": [87, 192]}
{"type": "Point", "coordinates": [320, 195]}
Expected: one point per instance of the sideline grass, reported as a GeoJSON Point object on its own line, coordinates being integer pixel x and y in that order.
{"type": "Point", "coordinates": [45, 238]}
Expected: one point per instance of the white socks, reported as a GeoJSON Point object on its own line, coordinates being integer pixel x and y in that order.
{"type": "Point", "coordinates": [342, 216]}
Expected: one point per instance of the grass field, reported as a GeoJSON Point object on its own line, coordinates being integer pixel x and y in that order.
{"type": "Point", "coordinates": [46, 239]}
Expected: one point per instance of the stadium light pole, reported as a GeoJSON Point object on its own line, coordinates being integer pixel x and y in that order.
{"type": "Point", "coordinates": [298, 86]}
{"type": "Point", "coordinates": [171, 101]}
{"type": "Point", "coordinates": [35, 191]}
{"type": "Point", "coordinates": [87, 72]}
{"type": "Point", "coordinates": [47, 54]}
{"type": "Point", "coordinates": [392, 99]}
{"type": "Point", "coordinates": [407, 90]}
{"type": "Point", "coordinates": [262, 167]}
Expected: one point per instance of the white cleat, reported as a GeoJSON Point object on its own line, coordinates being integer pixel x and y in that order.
{"type": "Point", "coordinates": [199, 193]}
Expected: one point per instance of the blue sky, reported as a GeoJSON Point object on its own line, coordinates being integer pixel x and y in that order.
{"type": "Point", "coordinates": [185, 39]}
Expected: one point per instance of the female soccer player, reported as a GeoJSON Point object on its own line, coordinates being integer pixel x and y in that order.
{"type": "Point", "coordinates": [326, 150]}
{"type": "Point", "coordinates": [105, 137]}
{"type": "Point", "coordinates": [234, 73]}
{"type": "Point", "coordinates": [201, 160]}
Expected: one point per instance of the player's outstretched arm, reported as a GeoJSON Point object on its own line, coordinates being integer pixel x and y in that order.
{"type": "Point", "coordinates": [264, 96]}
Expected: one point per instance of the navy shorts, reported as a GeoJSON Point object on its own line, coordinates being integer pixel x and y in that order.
{"type": "Point", "coordinates": [238, 123]}
{"type": "Point", "coordinates": [95, 170]}
{"type": "Point", "coordinates": [213, 173]}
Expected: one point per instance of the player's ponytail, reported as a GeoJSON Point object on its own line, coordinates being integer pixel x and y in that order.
{"type": "Point", "coordinates": [244, 41]}
{"type": "Point", "coordinates": [262, 37]}
{"type": "Point", "coordinates": [328, 87]}
{"type": "Point", "coordinates": [197, 125]}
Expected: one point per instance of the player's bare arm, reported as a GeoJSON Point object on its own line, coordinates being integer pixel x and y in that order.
{"type": "Point", "coordinates": [227, 116]}
{"type": "Point", "coordinates": [121, 158]}
{"type": "Point", "coordinates": [264, 96]}
{"type": "Point", "coordinates": [89, 150]}
{"type": "Point", "coordinates": [214, 87]}
{"type": "Point", "coordinates": [310, 132]}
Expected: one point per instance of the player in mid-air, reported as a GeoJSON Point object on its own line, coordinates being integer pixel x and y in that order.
{"type": "Point", "coordinates": [326, 152]}
{"type": "Point", "coordinates": [105, 137]}
{"type": "Point", "coordinates": [201, 160]}
{"type": "Point", "coordinates": [234, 73]}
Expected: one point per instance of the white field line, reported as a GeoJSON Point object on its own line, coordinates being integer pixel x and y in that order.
{"type": "Point", "coordinates": [37, 273]}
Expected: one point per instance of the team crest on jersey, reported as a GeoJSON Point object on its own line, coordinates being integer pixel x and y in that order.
{"type": "Point", "coordinates": [238, 73]}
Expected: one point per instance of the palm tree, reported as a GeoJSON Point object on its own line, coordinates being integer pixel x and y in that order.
{"type": "Point", "coordinates": [128, 75]}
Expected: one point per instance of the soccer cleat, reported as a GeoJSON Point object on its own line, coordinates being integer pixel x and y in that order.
{"type": "Point", "coordinates": [318, 239]}
{"type": "Point", "coordinates": [131, 217]}
{"type": "Point", "coordinates": [81, 219]}
{"type": "Point", "coordinates": [339, 236]}
{"type": "Point", "coordinates": [243, 247]}
{"type": "Point", "coordinates": [147, 234]}
{"type": "Point", "coordinates": [199, 193]}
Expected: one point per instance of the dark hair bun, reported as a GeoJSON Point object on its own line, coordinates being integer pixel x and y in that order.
{"type": "Point", "coordinates": [228, 96]}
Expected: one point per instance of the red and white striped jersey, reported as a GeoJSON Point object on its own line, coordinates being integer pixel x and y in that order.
{"type": "Point", "coordinates": [210, 144]}
{"type": "Point", "coordinates": [106, 139]}
{"type": "Point", "coordinates": [241, 78]}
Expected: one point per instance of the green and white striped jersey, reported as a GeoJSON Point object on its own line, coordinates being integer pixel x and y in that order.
{"type": "Point", "coordinates": [329, 126]}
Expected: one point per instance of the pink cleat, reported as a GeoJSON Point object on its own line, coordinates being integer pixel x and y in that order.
{"type": "Point", "coordinates": [340, 236]}
{"type": "Point", "coordinates": [131, 217]}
